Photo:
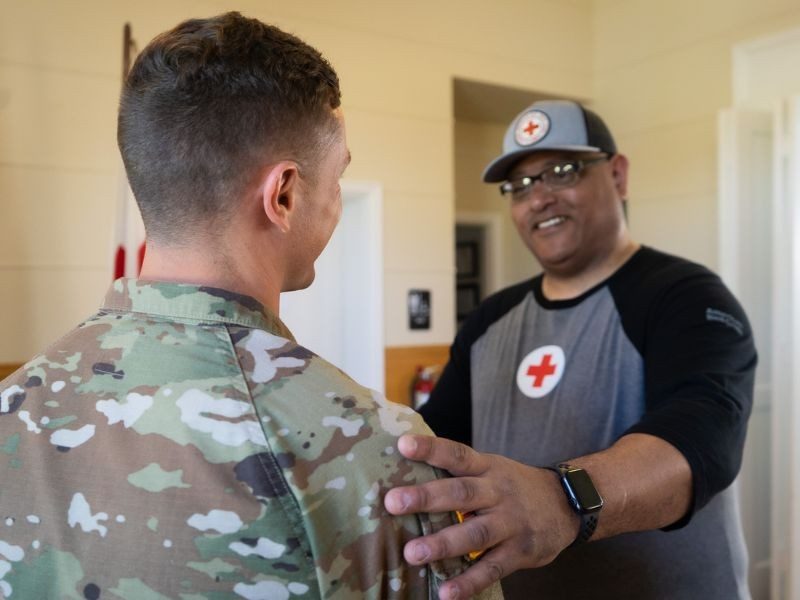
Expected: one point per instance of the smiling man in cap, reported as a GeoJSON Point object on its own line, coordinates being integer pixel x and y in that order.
{"type": "Point", "coordinates": [605, 400]}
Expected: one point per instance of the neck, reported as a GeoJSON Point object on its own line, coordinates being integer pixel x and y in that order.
{"type": "Point", "coordinates": [213, 266]}
{"type": "Point", "coordinates": [557, 286]}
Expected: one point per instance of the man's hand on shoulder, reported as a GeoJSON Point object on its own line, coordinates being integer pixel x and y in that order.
{"type": "Point", "coordinates": [521, 520]}
{"type": "Point", "coordinates": [522, 517]}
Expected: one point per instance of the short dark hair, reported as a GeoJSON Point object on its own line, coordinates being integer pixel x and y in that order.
{"type": "Point", "coordinates": [209, 102]}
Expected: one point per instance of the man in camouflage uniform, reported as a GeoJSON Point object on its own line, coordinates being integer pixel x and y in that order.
{"type": "Point", "coordinates": [179, 443]}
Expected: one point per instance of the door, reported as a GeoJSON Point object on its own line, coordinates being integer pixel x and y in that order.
{"type": "Point", "coordinates": [745, 248]}
{"type": "Point", "coordinates": [786, 351]}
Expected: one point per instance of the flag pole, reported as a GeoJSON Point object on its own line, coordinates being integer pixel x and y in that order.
{"type": "Point", "coordinates": [127, 43]}
{"type": "Point", "coordinates": [122, 230]}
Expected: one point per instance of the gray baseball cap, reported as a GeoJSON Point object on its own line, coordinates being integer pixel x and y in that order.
{"type": "Point", "coordinates": [550, 125]}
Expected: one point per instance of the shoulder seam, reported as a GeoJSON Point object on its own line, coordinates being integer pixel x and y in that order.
{"type": "Point", "coordinates": [275, 474]}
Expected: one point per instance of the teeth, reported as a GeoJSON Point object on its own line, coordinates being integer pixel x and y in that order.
{"type": "Point", "coordinates": [550, 222]}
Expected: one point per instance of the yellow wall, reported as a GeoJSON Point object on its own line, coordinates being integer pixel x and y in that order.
{"type": "Point", "coordinates": [662, 71]}
{"type": "Point", "coordinates": [658, 73]}
{"type": "Point", "coordinates": [59, 170]}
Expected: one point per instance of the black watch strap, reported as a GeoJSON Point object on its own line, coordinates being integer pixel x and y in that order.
{"type": "Point", "coordinates": [588, 525]}
{"type": "Point", "coordinates": [589, 520]}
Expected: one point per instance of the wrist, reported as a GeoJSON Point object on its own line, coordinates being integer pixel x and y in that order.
{"type": "Point", "coordinates": [582, 500]}
{"type": "Point", "coordinates": [572, 520]}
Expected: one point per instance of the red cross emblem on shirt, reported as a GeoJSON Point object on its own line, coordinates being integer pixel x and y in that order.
{"type": "Point", "coordinates": [530, 128]}
{"type": "Point", "coordinates": [542, 370]}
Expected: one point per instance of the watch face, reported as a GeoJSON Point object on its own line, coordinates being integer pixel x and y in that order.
{"type": "Point", "coordinates": [582, 491]}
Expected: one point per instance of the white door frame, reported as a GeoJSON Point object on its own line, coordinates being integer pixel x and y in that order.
{"type": "Point", "coordinates": [369, 319]}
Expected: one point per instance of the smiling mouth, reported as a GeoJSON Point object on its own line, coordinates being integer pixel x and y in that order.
{"type": "Point", "coordinates": [549, 223]}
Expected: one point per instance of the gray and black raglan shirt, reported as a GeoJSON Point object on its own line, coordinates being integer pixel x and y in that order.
{"type": "Point", "coordinates": [661, 347]}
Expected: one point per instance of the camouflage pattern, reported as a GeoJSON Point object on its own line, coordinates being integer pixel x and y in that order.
{"type": "Point", "coordinates": [180, 444]}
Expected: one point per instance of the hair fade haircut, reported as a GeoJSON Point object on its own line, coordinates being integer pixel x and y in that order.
{"type": "Point", "coordinates": [206, 105]}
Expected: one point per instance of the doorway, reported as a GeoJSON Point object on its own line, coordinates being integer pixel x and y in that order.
{"type": "Point", "coordinates": [759, 219]}
{"type": "Point", "coordinates": [340, 316]}
{"type": "Point", "coordinates": [478, 260]}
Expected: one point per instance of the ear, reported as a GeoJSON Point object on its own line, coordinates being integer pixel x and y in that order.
{"type": "Point", "coordinates": [619, 172]}
{"type": "Point", "coordinates": [279, 194]}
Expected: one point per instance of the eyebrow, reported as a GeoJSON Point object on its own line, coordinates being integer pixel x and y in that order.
{"type": "Point", "coordinates": [547, 165]}
{"type": "Point", "coordinates": [526, 172]}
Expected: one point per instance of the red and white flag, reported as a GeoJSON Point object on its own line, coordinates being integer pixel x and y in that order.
{"type": "Point", "coordinates": [129, 242]}
{"type": "Point", "coordinates": [129, 245]}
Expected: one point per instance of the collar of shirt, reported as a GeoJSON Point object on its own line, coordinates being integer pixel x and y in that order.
{"type": "Point", "coordinates": [182, 301]}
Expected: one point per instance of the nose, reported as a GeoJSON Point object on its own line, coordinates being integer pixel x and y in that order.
{"type": "Point", "coordinates": [539, 197]}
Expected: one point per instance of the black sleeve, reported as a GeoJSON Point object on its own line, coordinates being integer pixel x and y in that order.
{"type": "Point", "coordinates": [448, 411]}
{"type": "Point", "coordinates": [699, 362]}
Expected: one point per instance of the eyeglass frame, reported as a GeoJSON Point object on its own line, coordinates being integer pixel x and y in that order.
{"type": "Point", "coordinates": [581, 164]}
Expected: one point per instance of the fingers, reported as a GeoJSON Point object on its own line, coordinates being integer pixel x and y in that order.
{"type": "Point", "coordinates": [452, 456]}
{"type": "Point", "coordinates": [477, 533]}
{"type": "Point", "coordinates": [489, 569]}
{"type": "Point", "coordinates": [441, 495]}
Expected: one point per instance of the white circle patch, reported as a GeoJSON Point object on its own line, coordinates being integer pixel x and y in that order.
{"type": "Point", "coordinates": [531, 127]}
{"type": "Point", "coordinates": [540, 371]}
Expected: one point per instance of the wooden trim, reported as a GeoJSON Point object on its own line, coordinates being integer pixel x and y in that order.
{"type": "Point", "coordinates": [401, 367]}
{"type": "Point", "coordinates": [7, 369]}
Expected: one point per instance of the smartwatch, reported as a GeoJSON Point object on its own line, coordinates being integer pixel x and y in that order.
{"type": "Point", "coordinates": [582, 497]}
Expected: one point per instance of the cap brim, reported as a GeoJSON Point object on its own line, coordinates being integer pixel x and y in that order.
{"type": "Point", "coordinates": [498, 169]}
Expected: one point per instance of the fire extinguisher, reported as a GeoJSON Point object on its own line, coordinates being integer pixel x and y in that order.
{"type": "Point", "coordinates": [422, 386]}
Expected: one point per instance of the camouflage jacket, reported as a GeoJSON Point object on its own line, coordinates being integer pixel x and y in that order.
{"type": "Point", "coordinates": [180, 444]}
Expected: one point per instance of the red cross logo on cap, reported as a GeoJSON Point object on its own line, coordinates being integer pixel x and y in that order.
{"type": "Point", "coordinates": [540, 371]}
{"type": "Point", "coordinates": [531, 127]}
